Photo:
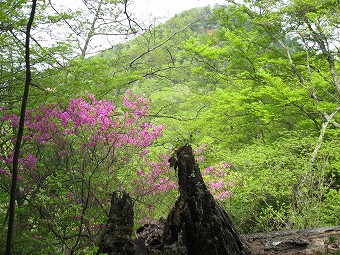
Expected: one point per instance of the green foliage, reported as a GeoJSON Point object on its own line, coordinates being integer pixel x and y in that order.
{"type": "Point", "coordinates": [276, 191]}
{"type": "Point", "coordinates": [330, 211]}
{"type": "Point", "coordinates": [269, 112]}
{"type": "Point", "coordinates": [256, 82]}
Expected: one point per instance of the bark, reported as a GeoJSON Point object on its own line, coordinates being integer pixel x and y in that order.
{"type": "Point", "coordinates": [20, 131]}
{"type": "Point", "coordinates": [117, 237]}
{"type": "Point", "coordinates": [150, 237]}
{"type": "Point", "coordinates": [197, 225]}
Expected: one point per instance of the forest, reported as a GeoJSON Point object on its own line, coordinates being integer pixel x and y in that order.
{"type": "Point", "coordinates": [253, 86]}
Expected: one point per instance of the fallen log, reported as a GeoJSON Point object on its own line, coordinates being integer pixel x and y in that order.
{"type": "Point", "coordinates": [324, 240]}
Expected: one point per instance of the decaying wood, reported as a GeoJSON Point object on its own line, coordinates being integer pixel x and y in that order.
{"type": "Point", "coordinates": [150, 236]}
{"type": "Point", "coordinates": [197, 225]}
{"type": "Point", "coordinates": [315, 241]}
{"type": "Point", "coordinates": [117, 237]}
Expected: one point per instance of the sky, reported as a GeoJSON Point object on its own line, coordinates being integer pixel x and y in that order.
{"type": "Point", "coordinates": [167, 8]}
{"type": "Point", "coordinates": [153, 8]}
{"type": "Point", "coordinates": [145, 11]}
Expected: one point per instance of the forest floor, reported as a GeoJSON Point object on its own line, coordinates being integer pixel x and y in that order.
{"type": "Point", "coordinates": [316, 241]}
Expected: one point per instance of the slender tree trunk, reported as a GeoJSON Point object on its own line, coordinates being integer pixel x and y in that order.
{"type": "Point", "coordinates": [92, 30]}
{"type": "Point", "coordinates": [20, 132]}
{"type": "Point", "coordinates": [322, 135]}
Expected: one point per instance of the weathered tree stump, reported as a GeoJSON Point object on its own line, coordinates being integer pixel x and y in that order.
{"type": "Point", "coordinates": [117, 237]}
{"type": "Point", "coordinates": [197, 225]}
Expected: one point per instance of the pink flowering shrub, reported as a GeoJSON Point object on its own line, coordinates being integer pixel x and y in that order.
{"type": "Point", "coordinates": [219, 177]}
{"type": "Point", "coordinates": [221, 180]}
{"type": "Point", "coordinates": [153, 186]}
{"type": "Point", "coordinates": [153, 177]}
{"type": "Point", "coordinates": [74, 156]}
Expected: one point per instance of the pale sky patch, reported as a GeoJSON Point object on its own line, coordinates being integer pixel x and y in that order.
{"type": "Point", "coordinates": [165, 9]}
{"type": "Point", "coordinates": [145, 12]}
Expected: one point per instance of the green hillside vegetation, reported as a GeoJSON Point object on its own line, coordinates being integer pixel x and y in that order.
{"type": "Point", "coordinates": [257, 85]}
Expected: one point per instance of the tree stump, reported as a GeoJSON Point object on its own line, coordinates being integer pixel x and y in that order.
{"type": "Point", "coordinates": [117, 237]}
{"type": "Point", "coordinates": [196, 225]}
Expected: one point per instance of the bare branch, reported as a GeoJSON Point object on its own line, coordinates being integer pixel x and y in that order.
{"type": "Point", "coordinates": [130, 20]}
{"type": "Point", "coordinates": [160, 44]}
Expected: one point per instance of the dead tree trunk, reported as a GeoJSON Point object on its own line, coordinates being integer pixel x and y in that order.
{"type": "Point", "coordinates": [197, 225]}
{"type": "Point", "coordinates": [117, 237]}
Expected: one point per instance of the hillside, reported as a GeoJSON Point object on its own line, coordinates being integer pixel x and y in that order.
{"type": "Point", "coordinates": [253, 88]}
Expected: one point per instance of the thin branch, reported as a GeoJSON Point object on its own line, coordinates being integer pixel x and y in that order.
{"type": "Point", "coordinates": [158, 115]}
{"type": "Point", "coordinates": [90, 34]}
{"type": "Point", "coordinates": [67, 23]}
{"type": "Point", "coordinates": [130, 20]}
{"type": "Point", "coordinates": [161, 44]}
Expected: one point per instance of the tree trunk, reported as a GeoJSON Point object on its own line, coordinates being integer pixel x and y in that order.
{"type": "Point", "coordinates": [20, 132]}
{"type": "Point", "coordinates": [196, 225]}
